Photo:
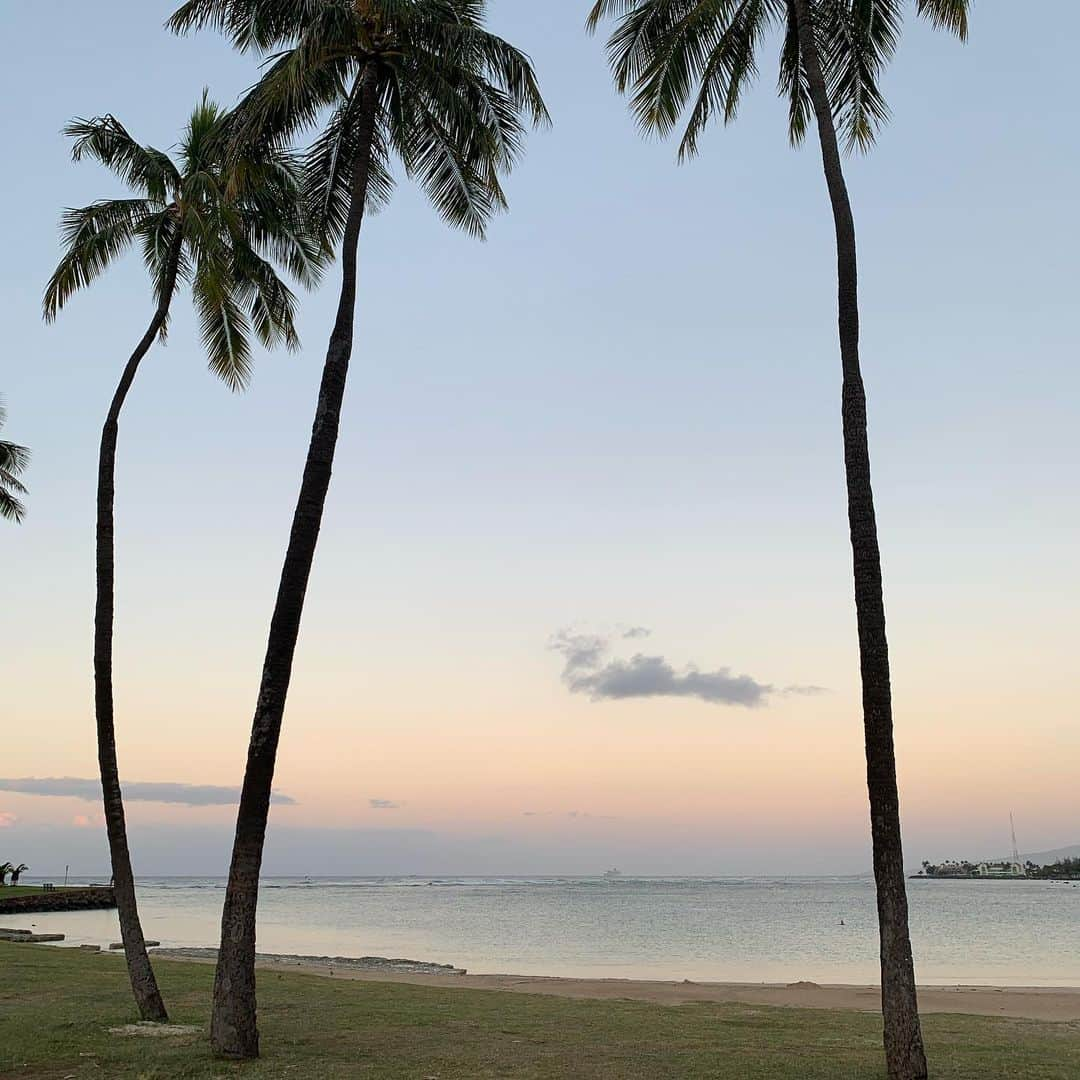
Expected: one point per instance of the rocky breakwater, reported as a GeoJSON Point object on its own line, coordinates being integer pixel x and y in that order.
{"type": "Point", "coordinates": [88, 899]}
{"type": "Point", "coordinates": [27, 936]}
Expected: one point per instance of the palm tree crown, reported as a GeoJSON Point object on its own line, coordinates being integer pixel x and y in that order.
{"type": "Point", "coordinates": [216, 224]}
{"type": "Point", "coordinates": [451, 96]}
{"type": "Point", "coordinates": [13, 462]}
{"type": "Point", "coordinates": [675, 55]}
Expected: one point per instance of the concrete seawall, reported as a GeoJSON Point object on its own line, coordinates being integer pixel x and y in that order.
{"type": "Point", "coordinates": [58, 900]}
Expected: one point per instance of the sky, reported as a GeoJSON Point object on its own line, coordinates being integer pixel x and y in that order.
{"type": "Point", "coordinates": [582, 597]}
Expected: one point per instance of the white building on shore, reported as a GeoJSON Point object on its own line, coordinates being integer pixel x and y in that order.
{"type": "Point", "coordinates": [1000, 869]}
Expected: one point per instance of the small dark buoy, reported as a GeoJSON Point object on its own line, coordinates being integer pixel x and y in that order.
{"type": "Point", "coordinates": [841, 922]}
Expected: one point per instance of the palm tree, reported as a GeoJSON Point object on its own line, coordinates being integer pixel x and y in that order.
{"type": "Point", "coordinates": [17, 872]}
{"type": "Point", "coordinates": [670, 54]}
{"type": "Point", "coordinates": [5, 869]}
{"type": "Point", "coordinates": [13, 461]}
{"type": "Point", "coordinates": [421, 81]}
{"type": "Point", "coordinates": [216, 227]}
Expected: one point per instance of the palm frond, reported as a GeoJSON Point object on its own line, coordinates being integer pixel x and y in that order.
{"type": "Point", "coordinates": [10, 481]}
{"type": "Point", "coordinates": [11, 508]}
{"type": "Point", "coordinates": [13, 460]}
{"type": "Point", "coordinates": [949, 15]}
{"type": "Point", "coordinates": [461, 40]}
{"type": "Point", "coordinates": [224, 328]}
{"type": "Point", "coordinates": [661, 49]}
{"type": "Point", "coordinates": [93, 237]}
{"type": "Point", "coordinates": [462, 186]}
{"type": "Point", "coordinates": [158, 234]}
{"type": "Point", "coordinates": [856, 38]}
{"type": "Point", "coordinates": [299, 83]}
{"type": "Point", "coordinates": [249, 24]}
{"type": "Point", "coordinates": [793, 83]}
{"type": "Point", "coordinates": [730, 66]}
{"type": "Point", "coordinates": [205, 138]}
{"type": "Point", "coordinates": [142, 168]}
{"type": "Point", "coordinates": [271, 305]}
{"type": "Point", "coordinates": [330, 165]}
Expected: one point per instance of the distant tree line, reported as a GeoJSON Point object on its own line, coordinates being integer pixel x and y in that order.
{"type": "Point", "coordinates": [1063, 868]}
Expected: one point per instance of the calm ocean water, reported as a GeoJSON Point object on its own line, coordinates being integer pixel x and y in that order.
{"type": "Point", "coordinates": [1023, 933]}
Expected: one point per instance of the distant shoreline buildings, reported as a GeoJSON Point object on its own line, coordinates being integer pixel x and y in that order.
{"type": "Point", "coordinates": [1006, 870]}
{"type": "Point", "coordinates": [951, 869]}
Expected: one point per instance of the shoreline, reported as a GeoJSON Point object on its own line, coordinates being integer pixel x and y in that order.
{"type": "Point", "coordinates": [1054, 1004]}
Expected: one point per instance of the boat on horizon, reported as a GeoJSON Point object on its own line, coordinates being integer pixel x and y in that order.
{"type": "Point", "coordinates": [613, 872]}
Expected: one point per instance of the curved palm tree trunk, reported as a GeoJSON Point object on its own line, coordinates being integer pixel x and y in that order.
{"type": "Point", "coordinates": [233, 1028]}
{"type": "Point", "coordinates": [143, 984]}
{"type": "Point", "coordinates": [904, 1053]}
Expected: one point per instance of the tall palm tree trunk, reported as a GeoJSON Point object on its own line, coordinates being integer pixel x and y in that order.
{"type": "Point", "coordinates": [233, 1027]}
{"type": "Point", "coordinates": [143, 984]}
{"type": "Point", "coordinates": [904, 1052]}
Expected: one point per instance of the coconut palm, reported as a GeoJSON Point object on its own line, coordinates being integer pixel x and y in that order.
{"type": "Point", "coordinates": [693, 59]}
{"type": "Point", "coordinates": [17, 872]}
{"type": "Point", "coordinates": [13, 462]}
{"type": "Point", "coordinates": [5, 869]}
{"type": "Point", "coordinates": [219, 228]}
{"type": "Point", "coordinates": [419, 81]}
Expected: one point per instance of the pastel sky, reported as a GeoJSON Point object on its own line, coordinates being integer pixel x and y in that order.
{"type": "Point", "coordinates": [620, 413]}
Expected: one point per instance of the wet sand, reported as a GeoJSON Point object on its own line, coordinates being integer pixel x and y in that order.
{"type": "Point", "coordinates": [1033, 1003]}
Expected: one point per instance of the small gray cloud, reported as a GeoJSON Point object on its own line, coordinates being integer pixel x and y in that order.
{"type": "Point", "coordinates": [580, 652]}
{"type": "Point", "coordinates": [587, 669]}
{"type": "Point", "coordinates": [383, 804]}
{"type": "Point", "coordinates": [804, 691]}
{"type": "Point", "coordinates": [134, 791]}
{"type": "Point", "coordinates": [633, 632]}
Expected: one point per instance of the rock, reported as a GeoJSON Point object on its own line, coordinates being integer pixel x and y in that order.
{"type": "Point", "coordinates": [90, 948]}
{"type": "Point", "coordinates": [14, 935]}
{"type": "Point", "coordinates": [116, 945]}
{"type": "Point", "coordinates": [803, 985]}
{"type": "Point", "coordinates": [35, 938]}
{"type": "Point", "coordinates": [148, 943]}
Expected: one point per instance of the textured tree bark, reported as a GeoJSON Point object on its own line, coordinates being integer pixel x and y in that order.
{"type": "Point", "coordinates": [904, 1053]}
{"type": "Point", "coordinates": [233, 1025]}
{"type": "Point", "coordinates": [143, 984]}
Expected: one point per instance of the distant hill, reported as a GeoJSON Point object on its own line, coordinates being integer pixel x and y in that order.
{"type": "Point", "coordinates": [1056, 855]}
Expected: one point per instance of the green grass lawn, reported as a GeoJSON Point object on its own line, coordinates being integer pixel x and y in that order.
{"type": "Point", "coordinates": [9, 891]}
{"type": "Point", "coordinates": [56, 1007]}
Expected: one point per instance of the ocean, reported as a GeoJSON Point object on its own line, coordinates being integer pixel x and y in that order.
{"type": "Point", "coordinates": [1005, 933]}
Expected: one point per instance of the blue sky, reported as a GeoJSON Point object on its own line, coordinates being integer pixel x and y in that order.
{"type": "Point", "coordinates": [622, 409]}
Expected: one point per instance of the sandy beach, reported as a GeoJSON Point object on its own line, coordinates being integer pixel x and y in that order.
{"type": "Point", "coordinates": [1060, 1004]}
